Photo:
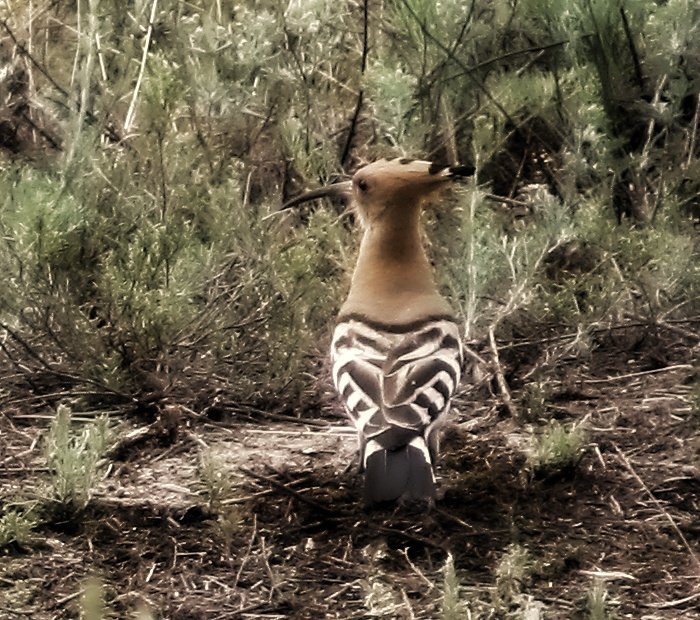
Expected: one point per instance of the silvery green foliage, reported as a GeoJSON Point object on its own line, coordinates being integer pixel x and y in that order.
{"type": "Point", "coordinates": [73, 458]}
{"type": "Point", "coordinates": [150, 255]}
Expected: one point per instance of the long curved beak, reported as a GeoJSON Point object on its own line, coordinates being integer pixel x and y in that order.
{"type": "Point", "coordinates": [339, 190]}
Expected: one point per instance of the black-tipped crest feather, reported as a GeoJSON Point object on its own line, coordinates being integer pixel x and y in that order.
{"type": "Point", "coordinates": [462, 170]}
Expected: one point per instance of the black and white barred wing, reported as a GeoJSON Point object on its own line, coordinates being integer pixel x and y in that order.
{"type": "Point", "coordinates": [396, 383]}
{"type": "Point", "coordinates": [358, 354]}
{"type": "Point", "coordinates": [420, 376]}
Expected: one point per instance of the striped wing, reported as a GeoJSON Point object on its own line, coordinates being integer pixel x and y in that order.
{"type": "Point", "coordinates": [396, 382]}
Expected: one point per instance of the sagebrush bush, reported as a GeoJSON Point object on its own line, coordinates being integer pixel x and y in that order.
{"type": "Point", "coordinates": [134, 253]}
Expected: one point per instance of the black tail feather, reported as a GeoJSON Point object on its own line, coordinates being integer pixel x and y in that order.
{"type": "Point", "coordinates": [403, 474]}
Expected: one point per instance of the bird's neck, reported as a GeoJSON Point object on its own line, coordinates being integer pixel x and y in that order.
{"type": "Point", "coordinates": [393, 280]}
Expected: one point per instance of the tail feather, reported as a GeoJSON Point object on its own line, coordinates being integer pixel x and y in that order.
{"type": "Point", "coordinates": [403, 473]}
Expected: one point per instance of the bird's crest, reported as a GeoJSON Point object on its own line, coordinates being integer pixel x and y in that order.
{"type": "Point", "coordinates": [386, 178]}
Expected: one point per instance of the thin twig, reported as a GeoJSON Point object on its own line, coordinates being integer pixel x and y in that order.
{"type": "Point", "coordinates": [246, 555]}
{"type": "Point", "coordinates": [79, 36]}
{"type": "Point", "coordinates": [265, 554]}
{"type": "Point", "coordinates": [633, 49]}
{"type": "Point", "coordinates": [676, 603]}
{"type": "Point", "coordinates": [474, 355]}
{"type": "Point", "coordinates": [17, 338]}
{"type": "Point", "coordinates": [58, 373]}
{"type": "Point", "coordinates": [85, 76]}
{"type": "Point", "coordinates": [407, 604]}
{"type": "Point", "coordinates": [255, 414]}
{"type": "Point", "coordinates": [100, 57]}
{"type": "Point", "coordinates": [693, 131]}
{"type": "Point", "coordinates": [361, 94]}
{"type": "Point", "coordinates": [417, 570]}
{"type": "Point", "coordinates": [430, 81]}
{"type": "Point", "coordinates": [41, 131]}
{"type": "Point", "coordinates": [469, 530]}
{"type": "Point", "coordinates": [285, 489]}
{"type": "Point", "coordinates": [469, 72]}
{"type": "Point", "coordinates": [500, 378]}
{"type": "Point", "coordinates": [17, 612]}
{"type": "Point", "coordinates": [511, 201]}
{"type": "Point", "coordinates": [422, 540]}
{"type": "Point", "coordinates": [641, 373]}
{"type": "Point", "coordinates": [25, 52]}
{"type": "Point", "coordinates": [535, 49]}
{"type": "Point", "coordinates": [658, 505]}
{"type": "Point", "coordinates": [548, 340]}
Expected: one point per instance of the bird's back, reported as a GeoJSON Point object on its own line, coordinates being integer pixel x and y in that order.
{"type": "Point", "coordinates": [396, 381]}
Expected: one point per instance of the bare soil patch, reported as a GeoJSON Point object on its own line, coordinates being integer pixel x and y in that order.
{"type": "Point", "coordinates": [293, 540]}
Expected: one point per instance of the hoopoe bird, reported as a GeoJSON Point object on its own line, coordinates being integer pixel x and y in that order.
{"type": "Point", "coordinates": [396, 349]}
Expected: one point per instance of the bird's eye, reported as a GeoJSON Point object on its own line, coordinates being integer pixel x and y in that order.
{"type": "Point", "coordinates": [363, 185]}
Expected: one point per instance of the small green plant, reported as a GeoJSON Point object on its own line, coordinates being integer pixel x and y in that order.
{"type": "Point", "coordinates": [16, 527]}
{"type": "Point", "coordinates": [512, 574]}
{"type": "Point", "coordinates": [92, 601]}
{"type": "Point", "coordinates": [229, 524]}
{"type": "Point", "coordinates": [381, 599]}
{"type": "Point", "coordinates": [214, 481]}
{"type": "Point", "coordinates": [453, 608]}
{"type": "Point", "coordinates": [533, 401]}
{"type": "Point", "coordinates": [73, 459]}
{"type": "Point", "coordinates": [596, 602]}
{"type": "Point", "coordinates": [557, 448]}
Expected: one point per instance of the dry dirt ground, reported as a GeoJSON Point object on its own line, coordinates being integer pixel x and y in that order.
{"type": "Point", "coordinates": [289, 537]}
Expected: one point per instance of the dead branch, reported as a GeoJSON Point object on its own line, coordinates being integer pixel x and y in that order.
{"type": "Point", "coordinates": [500, 378]}
{"type": "Point", "coordinates": [361, 95]}
{"type": "Point", "coordinates": [641, 373]}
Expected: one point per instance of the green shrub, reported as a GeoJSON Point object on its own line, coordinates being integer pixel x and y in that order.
{"type": "Point", "coordinates": [73, 460]}
{"type": "Point", "coordinates": [213, 480]}
{"type": "Point", "coordinates": [513, 573]}
{"type": "Point", "coordinates": [597, 602]}
{"type": "Point", "coordinates": [453, 607]}
{"type": "Point", "coordinates": [92, 603]}
{"type": "Point", "coordinates": [557, 448]}
{"type": "Point", "coordinates": [16, 526]}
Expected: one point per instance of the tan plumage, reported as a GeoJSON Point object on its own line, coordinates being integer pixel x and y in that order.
{"type": "Point", "coordinates": [396, 348]}
{"type": "Point", "coordinates": [393, 280]}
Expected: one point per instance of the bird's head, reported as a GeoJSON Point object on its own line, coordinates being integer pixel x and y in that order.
{"type": "Point", "coordinates": [388, 186]}
{"type": "Point", "coordinates": [395, 185]}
